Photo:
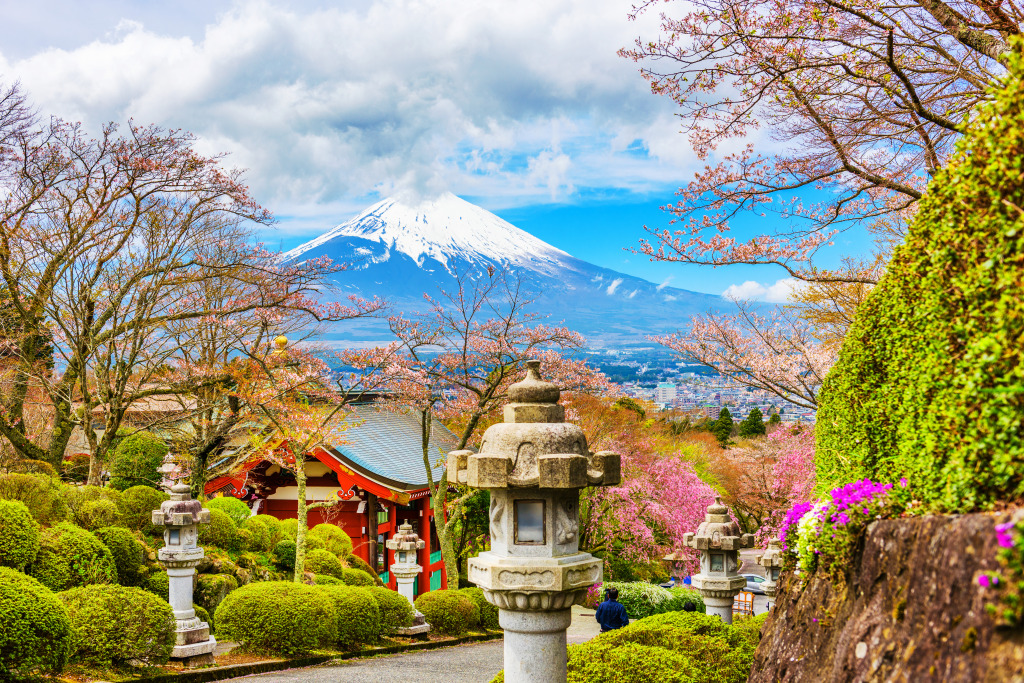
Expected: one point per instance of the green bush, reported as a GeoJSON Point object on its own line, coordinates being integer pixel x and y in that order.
{"type": "Point", "coordinates": [19, 535]}
{"type": "Point", "coordinates": [357, 577]}
{"type": "Point", "coordinates": [220, 532]}
{"type": "Point", "coordinates": [40, 494]}
{"type": "Point", "coordinates": [115, 624]}
{"type": "Point", "coordinates": [238, 511]}
{"type": "Point", "coordinates": [137, 506]}
{"type": "Point", "coordinates": [356, 562]}
{"type": "Point", "coordinates": [448, 612]}
{"type": "Point", "coordinates": [928, 381]}
{"type": "Point", "coordinates": [158, 583]}
{"type": "Point", "coordinates": [357, 616]}
{"type": "Point", "coordinates": [324, 562]}
{"type": "Point", "coordinates": [335, 540]}
{"type": "Point", "coordinates": [136, 461]}
{"type": "Point", "coordinates": [35, 631]}
{"type": "Point", "coordinates": [284, 555]}
{"type": "Point", "coordinates": [75, 469]}
{"type": "Point", "coordinates": [261, 536]}
{"type": "Point", "coordinates": [640, 599]}
{"type": "Point", "coordinates": [395, 610]}
{"type": "Point", "coordinates": [69, 557]}
{"type": "Point", "coordinates": [211, 589]}
{"type": "Point", "coordinates": [273, 525]}
{"type": "Point", "coordinates": [203, 615]}
{"type": "Point", "coordinates": [680, 597]}
{"type": "Point", "coordinates": [488, 612]}
{"type": "Point", "coordinates": [92, 507]}
{"type": "Point", "coordinates": [127, 552]}
{"type": "Point", "coordinates": [315, 543]}
{"type": "Point", "coordinates": [279, 616]}
{"type": "Point", "coordinates": [289, 528]}
{"type": "Point", "coordinates": [325, 580]}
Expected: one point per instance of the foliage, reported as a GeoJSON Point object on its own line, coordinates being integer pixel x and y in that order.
{"type": "Point", "coordinates": [1008, 583]}
{"type": "Point", "coordinates": [488, 612]}
{"type": "Point", "coordinates": [774, 420]}
{"type": "Point", "coordinates": [334, 537]}
{"type": "Point", "coordinates": [640, 599]}
{"type": "Point", "coordinates": [289, 528]}
{"type": "Point", "coordinates": [683, 597]}
{"type": "Point", "coordinates": [237, 510]}
{"type": "Point", "coordinates": [448, 612]}
{"type": "Point", "coordinates": [211, 589]}
{"type": "Point", "coordinates": [278, 616]}
{"type": "Point", "coordinates": [158, 583]}
{"type": "Point", "coordinates": [136, 461]}
{"type": "Point", "coordinates": [70, 556]}
{"type": "Point", "coordinates": [261, 537]}
{"type": "Point", "coordinates": [75, 469]}
{"type": "Point", "coordinates": [356, 562]}
{"type": "Point", "coordinates": [395, 610]}
{"type": "Point", "coordinates": [40, 494]}
{"type": "Point", "coordinates": [325, 580]}
{"type": "Point", "coordinates": [357, 577]}
{"type": "Point", "coordinates": [753, 424]}
{"type": "Point", "coordinates": [137, 506]}
{"type": "Point", "coordinates": [19, 535]}
{"type": "Point", "coordinates": [115, 624]}
{"type": "Point", "coordinates": [722, 427]}
{"type": "Point", "coordinates": [326, 562]}
{"type": "Point", "coordinates": [928, 384]}
{"type": "Point", "coordinates": [357, 614]}
{"type": "Point", "coordinates": [92, 507]}
{"type": "Point", "coordinates": [220, 532]}
{"type": "Point", "coordinates": [203, 615]}
{"type": "Point", "coordinates": [128, 553]}
{"type": "Point", "coordinates": [274, 527]}
{"type": "Point", "coordinates": [35, 631]}
{"type": "Point", "coordinates": [284, 555]}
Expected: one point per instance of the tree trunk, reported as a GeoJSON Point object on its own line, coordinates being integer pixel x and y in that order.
{"type": "Point", "coordinates": [300, 531]}
{"type": "Point", "coordinates": [444, 535]}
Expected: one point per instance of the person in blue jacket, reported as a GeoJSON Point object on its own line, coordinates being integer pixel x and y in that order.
{"type": "Point", "coordinates": [610, 613]}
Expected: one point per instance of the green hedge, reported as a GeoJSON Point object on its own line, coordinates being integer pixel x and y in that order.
{"type": "Point", "coordinates": [115, 624]}
{"type": "Point", "coordinates": [356, 562]}
{"type": "Point", "coordinates": [357, 615]}
{"type": "Point", "coordinates": [334, 538]}
{"type": "Point", "coordinates": [278, 616]}
{"type": "Point", "coordinates": [238, 511]}
{"type": "Point", "coordinates": [19, 535]}
{"type": "Point", "coordinates": [448, 612]}
{"type": "Point", "coordinates": [70, 556]}
{"type": "Point", "coordinates": [92, 507]}
{"type": "Point", "coordinates": [284, 555]}
{"type": "Point", "coordinates": [928, 381]}
{"type": "Point", "coordinates": [158, 583]}
{"type": "Point", "coordinates": [357, 577]}
{"type": "Point", "coordinates": [36, 635]}
{"type": "Point", "coordinates": [211, 589]}
{"type": "Point", "coordinates": [127, 551]}
{"type": "Point", "coordinates": [488, 612]}
{"type": "Point", "coordinates": [220, 532]}
{"type": "Point", "coordinates": [262, 538]}
{"type": "Point", "coordinates": [40, 494]}
{"type": "Point", "coordinates": [273, 525]}
{"type": "Point", "coordinates": [136, 461]}
{"type": "Point", "coordinates": [325, 562]}
{"type": "Point", "coordinates": [325, 580]}
{"type": "Point", "coordinates": [395, 610]}
{"type": "Point", "coordinates": [203, 615]}
{"type": "Point", "coordinates": [137, 506]}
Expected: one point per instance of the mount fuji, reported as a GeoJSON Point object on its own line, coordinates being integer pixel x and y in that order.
{"type": "Point", "coordinates": [399, 251]}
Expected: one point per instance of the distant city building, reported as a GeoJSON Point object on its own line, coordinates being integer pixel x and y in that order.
{"type": "Point", "coordinates": [666, 392]}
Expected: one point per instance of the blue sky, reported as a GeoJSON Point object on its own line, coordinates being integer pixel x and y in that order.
{"type": "Point", "coordinates": [523, 108]}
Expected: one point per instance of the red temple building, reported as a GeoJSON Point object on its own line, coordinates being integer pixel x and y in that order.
{"type": "Point", "coordinates": [377, 473]}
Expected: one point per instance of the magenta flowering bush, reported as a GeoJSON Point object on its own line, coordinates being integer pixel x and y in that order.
{"type": "Point", "coordinates": [1009, 581]}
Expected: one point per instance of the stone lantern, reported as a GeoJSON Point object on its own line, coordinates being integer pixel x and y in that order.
{"type": "Point", "coordinates": [771, 560]}
{"type": "Point", "coordinates": [534, 464]}
{"type": "Point", "coordinates": [181, 516]}
{"type": "Point", "coordinates": [406, 544]}
{"type": "Point", "coordinates": [719, 540]}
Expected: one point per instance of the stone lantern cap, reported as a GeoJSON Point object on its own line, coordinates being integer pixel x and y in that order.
{"type": "Point", "coordinates": [718, 531]}
{"type": "Point", "coordinates": [180, 510]}
{"type": "Point", "coordinates": [534, 446]}
{"type": "Point", "coordinates": [772, 556]}
{"type": "Point", "coordinates": [406, 539]}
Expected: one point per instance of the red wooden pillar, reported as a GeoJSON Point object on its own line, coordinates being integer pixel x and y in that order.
{"type": "Point", "coordinates": [424, 533]}
{"type": "Point", "coordinates": [393, 516]}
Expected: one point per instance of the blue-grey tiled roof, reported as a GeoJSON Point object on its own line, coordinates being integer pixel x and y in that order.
{"type": "Point", "coordinates": [388, 443]}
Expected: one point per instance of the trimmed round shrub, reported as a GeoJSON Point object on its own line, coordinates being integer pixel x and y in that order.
{"type": "Point", "coordinates": [324, 562]}
{"type": "Point", "coordinates": [115, 624]}
{"type": "Point", "coordinates": [137, 506]}
{"type": "Point", "coordinates": [19, 535]}
{"type": "Point", "coordinates": [203, 615]}
{"type": "Point", "coordinates": [335, 540]}
{"type": "Point", "coordinates": [315, 543]}
{"type": "Point", "coordinates": [136, 461]}
{"type": "Point", "coordinates": [36, 635]}
{"type": "Point", "coordinates": [448, 612]}
{"type": "Point", "coordinates": [356, 562]}
{"type": "Point", "coordinates": [357, 577]}
{"type": "Point", "coordinates": [70, 557]}
{"type": "Point", "coordinates": [928, 382]}
{"type": "Point", "coordinates": [260, 540]}
{"type": "Point", "coordinates": [395, 610]}
{"type": "Point", "coordinates": [127, 552]}
{"type": "Point", "coordinates": [325, 580]}
{"type": "Point", "coordinates": [279, 616]}
{"type": "Point", "coordinates": [158, 583]}
{"type": "Point", "coordinates": [243, 539]}
{"type": "Point", "coordinates": [40, 494]}
{"type": "Point", "coordinates": [640, 599]}
{"type": "Point", "coordinates": [92, 507]}
{"type": "Point", "coordinates": [488, 612]}
{"type": "Point", "coordinates": [273, 525]}
{"type": "Point", "coordinates": [211, 589]}
{"type": "Point", "coordinates": [288, 529]}
{"type": "Point", "coordinates": [681, 597]}
{"type": "Point", "coordinates": [30, 466]}
{"type": "Point", "coordinates": [234, 508]}
{"type": "Point", "coordinates": [284, 555]}
{"type": "Point", "coordinates": [357, 616]}
{"type": "Point", "coordinates": [220, 532]}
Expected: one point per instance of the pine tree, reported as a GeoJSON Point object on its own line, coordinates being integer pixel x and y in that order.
{"type": "Point", "coordinates": [774, 419]}
{"type": "Point", "coordinates": [753, 425]}
{"type": "Point", "coordinates": [722, 427]}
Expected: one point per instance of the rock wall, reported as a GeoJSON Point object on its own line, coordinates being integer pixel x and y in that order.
{"type": "Point", "coordinates": [911, 610]}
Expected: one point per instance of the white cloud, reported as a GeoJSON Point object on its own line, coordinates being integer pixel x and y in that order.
{"type": "Point", "coordinates": [779, 292]}
{"type": "Point", "coordinates": [633, 294]}
{"type": "Point", "coordinates": [665, 282]}
{"type": "Point", "coordinates": [614, 285]}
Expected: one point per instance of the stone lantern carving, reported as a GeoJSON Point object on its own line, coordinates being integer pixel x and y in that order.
{"type": "Point", "coordinates": [406, 544]}
{"type": "Point", "coordinates": [771, 560]}
{"type": "Point", "coordinates": [534, 464]}
{"type": "Point", "coordinates": [181, 516]}
{"type": "Point", "coordinates": [719, 540]}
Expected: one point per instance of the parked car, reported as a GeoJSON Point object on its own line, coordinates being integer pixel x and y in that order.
{"type": "Point", "coordinates": [754, 583]}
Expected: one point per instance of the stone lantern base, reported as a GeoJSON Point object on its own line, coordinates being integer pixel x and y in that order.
{"type": "Point", "coordinates": [535, 645]}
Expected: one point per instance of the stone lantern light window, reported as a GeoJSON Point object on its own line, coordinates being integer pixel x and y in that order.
{"type": "Point", "coordinates": [174, 537]}
{"type": "Point", "coordinates": [717, 562]}
{"type": "Point", "coordinates": [529, 522]}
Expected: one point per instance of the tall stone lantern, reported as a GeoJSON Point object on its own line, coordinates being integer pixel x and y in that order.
{"type": "Point", "coordinates": [406, 543]}
{"type": "Point", "coordinates": [771, 560]}
{"type": "Point", "coordinates": [719, 540]}
{"type": "Point", "coordinates": [181, 516]}
{"type": "Point", "coordinates": [534, 464]}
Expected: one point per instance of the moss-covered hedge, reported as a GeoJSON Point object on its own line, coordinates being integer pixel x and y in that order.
{"type": "Point", "coordinates": [136, 461]}
{"type": "Point", "coordinates": [36, 635]}
{"type": "Point", "coordinates": [70, 556]}
{"type": "Point", "coordinates": [92, 507]}
{"type": "Point", "coordinates": [220, 532]}
{"type": "Point", "coordinates": [395, 610]}
{"type": "Point", "coordinates": [356, 562]}
{"type": "Point", "coordinates": [448, 612]}
{"type": "Point", "coordinates": [116, 624]}
{"type": "Point", "coordinates": [357, 577]}
{"type": "Point", "coordinates": [127, 551]}
{"type": "Point", "coordinates": [238, 511]}
{"type": "Point", "coordinates": [278, 616]}
{"type": "Point", "coordinates": [40, 494]}
{"type": "Point", "coordinates": [211, 589]}
{"type": "Point", "coordinates": [357, 614]}
{"type": "Point", "coordinates": [284, 555]}
{"type": "Point", "coordinates": [261, 539]}
{"type": "Point", "coordinates": [137, 506]}
{"type": "Point", "coordinates": [928, 382]}
{"type": "Point", "coordinates": [325, 562]}
{"type": "Point", "coordinates": [19, 535]}
{"type": "Point", "coordinates": [334, 538]}
{"type": "Point", "coordinates": [488, 613]}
